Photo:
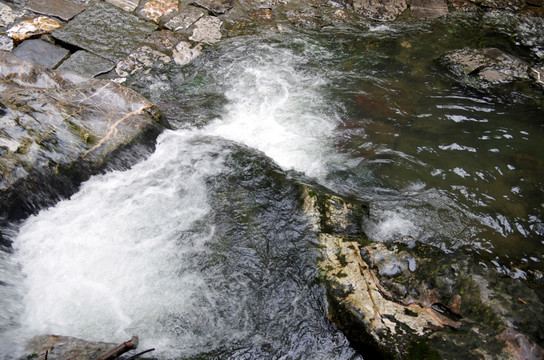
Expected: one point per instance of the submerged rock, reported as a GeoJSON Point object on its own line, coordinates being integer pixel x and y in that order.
{"type": "Point", "coordinates": [483, 67]}
{"type": "Point", "coordinates": [403, 301]}
{"type": "Point", "coordinates": [58, 128]}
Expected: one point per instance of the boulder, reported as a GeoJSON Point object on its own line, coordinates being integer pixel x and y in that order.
{"type": "Point", "coordinates": [405, 300]}
{"type": "Point", "coordinates": [58, 128]}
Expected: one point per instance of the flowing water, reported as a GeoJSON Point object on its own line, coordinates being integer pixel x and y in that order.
{"type": "Point", "coordinates": [203, 250]}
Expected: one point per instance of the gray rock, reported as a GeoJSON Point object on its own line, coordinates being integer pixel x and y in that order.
{"type": "Point", "coordinates": [62, 9]}
{"type": "Point", "coordinates": [537, 74]}
{"type": "Point", "coordinates": [127, 5]}
{"type": "Point", "coordinates": [185, 18]}
{"type": "Point", "coordinates": [105, 30]}
{"type": "Point", "coordinates": [57, 128]}
{"type": "Point", "coordinates": [381, 10]}
{"type": "Point", "coordinates": [207, 30]}
{"type": "Point", "coordinates": [426, 9]}
{"type": "Point", "coordinates": [41, 53]}
{"type": "Point", "coordinates": [6, 44]}
{"type": "Point", "coordinates": [216, 7]}
{"type": "Point", "coordinates": [184, 53]}
{"type": "Point", "coordinates": [86, 63]}
{"type": "Point", "coordinates": [7, 16]}
{"type": "Point", "coordinates": [143, 58]}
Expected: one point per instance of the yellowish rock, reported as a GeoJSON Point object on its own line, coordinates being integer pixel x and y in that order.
{"type": "Point", "coordinates": [28, 28]}
{"type": "Point", "coordinates": [154, 9]}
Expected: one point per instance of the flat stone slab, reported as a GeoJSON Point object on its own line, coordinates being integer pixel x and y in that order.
{"type": "Point", "coordinates": [185, 18]}
{"type": "Point", "coordinates": [207, 30]}
{"type": "Point", "coordinates": [127, 5]}
{"type": "Point", "coordinates": [62, 9]}
{"type": "Point", "coordinates": [106, 30]}
{"type": "Point", "coordinates": [427, 9]}
{"type": "Point", "coordinates": [86, 63]}
{"type": "Point", "coordinates": [41, 53]}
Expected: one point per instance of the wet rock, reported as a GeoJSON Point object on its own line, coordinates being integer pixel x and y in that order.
{"type": "Point", "coordinates": [41, 53]}
{"type": "Point", "coordinates": [537, 74]}
{"type": "Point", "coordinates": [184, 53]}
{"type": "Point", "coordinates": [483, 67]}
{"type": "Point", "coordinates": [62, 9]}
{"type": "Point", "coordinates": [58, 128]}
{"type": "Point", "coordinates": [185, 18]}
{"type": "Point", "coordinates": [164, 40]}
{"type": "Point", "coordinates": [503, 4]}
{"type": "Point", "coordinates": [402, 301]}
{"type": "Point", "coordinates": [7, 16]}
{"type": "Point", "coordinates": [521, 29]}
{"type": "Point", "coordinates": [6, 44]}
{"type": "Point", "coordinates": [216, 7]}
{"type": "Point", "coordinates": [86, 63]}
{"type": "Point", "coordinates": [262, 14]}
{"type": "Point", "coordinates": [66, 347]}
{"type": "Point", "coordinates": [33, 27]}
{"type": "Point", "coordinates": [207, 30]}
{"type": "Point", "coordinates": [106, 31]}
{"type": "Point", "coordinates": [381, 10]}
{"type": "Point", "coordinates": [143, 58]}
{"type": "Point", "coordinates": [155, 9]}
{"type": "Point", "coordinates": [426, 9]}
{"type": "Point", "coordinates": [127, 5]}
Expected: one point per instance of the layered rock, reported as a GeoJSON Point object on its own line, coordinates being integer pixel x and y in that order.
{"type": "Point", "coordinates": [407, 300]}
{"type": "Point", "coordinates": [58, 128]}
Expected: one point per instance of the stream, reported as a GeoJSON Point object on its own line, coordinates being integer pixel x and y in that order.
{"type": "Point", "coordinates": [203, 250]}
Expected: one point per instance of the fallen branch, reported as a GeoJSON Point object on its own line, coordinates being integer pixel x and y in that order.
{"type": "Point", "coordinates": [121, 349]}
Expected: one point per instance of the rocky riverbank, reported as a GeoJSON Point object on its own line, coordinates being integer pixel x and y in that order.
{"type": "Point", "coordinates": [66, 115]}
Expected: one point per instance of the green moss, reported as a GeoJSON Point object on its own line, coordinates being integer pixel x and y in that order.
{"type": "Point", "coordinates": [420, 350]}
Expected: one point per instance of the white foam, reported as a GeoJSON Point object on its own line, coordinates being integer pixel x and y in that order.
{"type": "Point", "coordinates": [107, 263]}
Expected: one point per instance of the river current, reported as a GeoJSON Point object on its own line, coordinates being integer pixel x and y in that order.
{"type": "Point", "coordinates": [202, 249]}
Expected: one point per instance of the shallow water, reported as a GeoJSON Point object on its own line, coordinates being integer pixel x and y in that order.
{"type": "Point", "coordinates": [202, 249]}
